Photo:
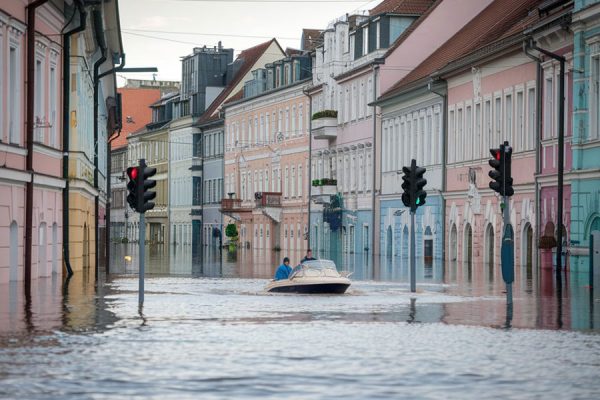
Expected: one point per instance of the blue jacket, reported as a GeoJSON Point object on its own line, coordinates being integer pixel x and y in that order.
{"type": "Point", "coordinates": [283, 272]}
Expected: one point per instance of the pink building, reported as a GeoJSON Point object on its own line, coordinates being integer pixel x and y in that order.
{"type": "Point", "coordinates": [491, 99]}
{"type": "Point", "coordinates": [560, 42]}
{"type": "Point", "coordinates": [266, 159]}
{"type": "Point", "coordinates": [37, 162]}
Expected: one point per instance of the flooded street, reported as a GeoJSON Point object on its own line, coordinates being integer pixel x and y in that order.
{"type": "Point", "coordinates": [208, 330]}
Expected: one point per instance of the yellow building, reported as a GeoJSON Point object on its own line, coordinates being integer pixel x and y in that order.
{"type": "Point", "coordinates": [90, 72]}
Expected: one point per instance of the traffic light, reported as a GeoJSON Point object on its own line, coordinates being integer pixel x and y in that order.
{"type": "Point", "coordinates": [413, 185]}
{"type": "Point", "coordinates": [420, 183]}
{"type": "Point", "coordinates": [501, 174]}
{"type": "Point", "coordinates": [147, 184]}
{"type": "Point", "coordinates": [406, 184]}
{"type": "Point", "coordinates": [139, 186]}
{"type": "Point", "coordinates": [132, 197]}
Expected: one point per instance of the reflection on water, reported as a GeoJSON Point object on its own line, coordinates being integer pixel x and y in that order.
{"type": "Point", "coordinates": [208, 330]}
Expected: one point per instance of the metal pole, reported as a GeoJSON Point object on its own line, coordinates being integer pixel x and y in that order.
{"type": "Point", "coordinates": [413, 278]}
{"type": "Point", "coordinates": [141, 244]}
{"type": "Point", "coordinates": [506, 217]}
{"type": "Point", "coordinates": [561, 162]}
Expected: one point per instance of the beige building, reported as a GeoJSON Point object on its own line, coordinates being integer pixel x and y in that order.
{"type": "Point", "coordinates": [266, 159]}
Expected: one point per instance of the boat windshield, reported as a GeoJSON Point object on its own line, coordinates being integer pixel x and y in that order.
{"type": "Point", "coordinates": [319, 264]}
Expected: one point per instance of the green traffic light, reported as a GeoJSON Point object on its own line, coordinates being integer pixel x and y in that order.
{"type": "Point", "coordinates": [418, 201]}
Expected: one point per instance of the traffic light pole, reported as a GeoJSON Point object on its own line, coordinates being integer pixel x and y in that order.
{"type": "Point", "coordinates": [413, 267]}
{"type": "Point", "coordinates": [506, 264]}
{"type": "Point", "coordinates": [142, 253]}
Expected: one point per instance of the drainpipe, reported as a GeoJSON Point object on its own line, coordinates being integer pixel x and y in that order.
{"type": "Point", "coordinates": [108, 166]}
{"type": "Point", "coordinates": [305, 92]}
{"type": "Point", "coordinates": [561, 150]}
{"type": "Point", "coordinates": [375, 66]}
{"type": "Point", "coordinates": [444, 97]}
{"type": "Point", "coordinates": [65, 142]}
{"type": "Point", "coordinates": [98, 33]}
{"type": "Point", "coordinates": [30, 120]}
{"type": "Point", "coordinates": [538, 125]}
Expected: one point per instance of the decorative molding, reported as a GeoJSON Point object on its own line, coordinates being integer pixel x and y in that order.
{"type": "Point", "coordinates": [12, 175]}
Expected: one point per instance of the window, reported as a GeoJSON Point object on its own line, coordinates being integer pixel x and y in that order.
{"type": "Point", "coordinates": [468, 139]}
{"type": "Point", "coordinates": [39, 103]}
{"type": "Point", "coordinates": [520, 123]}
{"type": "Point", "coordinates": [365, 43]}
{"type": "Point", "coordinates": [497, 122]}
{"type": "Point", "coordinates": [531, 119]}
{"type": "Point", "coordinates": [293, 125]}
{"type": "Point", "coordinates": [548, 107]}
{"type": "Point", "coordinates": [300, 181]}
{"type": "Point", "coordinates": [508, 119]}
{"type": "Point", "coordinates": [300, 121]}
{"type": "Point", "coordinates": [14, 97]}
{"type": "Point", "coordinates": [452, 137]}
{"type": "Point", "coordinates": [460, 137]}
{"type": "Point", "coordinates": [594, 131]}
{"type": "Point", "coordinates": [477, 132]}
{"type": "Point", "coordinates": [487, 135]}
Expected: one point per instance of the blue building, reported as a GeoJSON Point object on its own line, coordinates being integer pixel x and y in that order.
{"type": "Point", "coordinates": [412, 128]}
{"type": "Point", "coordinates": [585, 184]}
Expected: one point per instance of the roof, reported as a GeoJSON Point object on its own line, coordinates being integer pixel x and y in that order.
{"type": "Point", "coordinates": [136, 111]}
{"type": "Point", "coordinates": [311, 38]}
{"type": "Point", "coordinates": [498, 21]}
{"type": "Point", "coordinates": [249, 57]}
{"type": "Point", "coordinates": [410, 7]}
{"type": "Point", "coordinates": [432, 5]}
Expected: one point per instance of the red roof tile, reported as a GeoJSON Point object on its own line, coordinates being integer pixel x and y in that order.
{"type": "Point", "coordinates": [136, 111]}
{"type": "Point", "coordinates": [501, 19]}
{"type": "Point", "coordinates": [411, 7]}
{"type": "Point", "coordinates": [249, 58]}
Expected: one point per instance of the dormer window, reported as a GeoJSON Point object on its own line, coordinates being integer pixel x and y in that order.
{"type": "Point", "coordinates": [365, 37]}
{"type": "Point", "coordinates": [286, 74]}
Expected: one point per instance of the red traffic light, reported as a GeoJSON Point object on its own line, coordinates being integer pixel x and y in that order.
{"type": "Point", "coordinates": [132, 172]}
{"type": "Point", "coordinates": [495, 153]}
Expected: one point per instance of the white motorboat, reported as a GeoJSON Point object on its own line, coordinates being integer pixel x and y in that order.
{"type": "Point", "coordinates": [315, 276]}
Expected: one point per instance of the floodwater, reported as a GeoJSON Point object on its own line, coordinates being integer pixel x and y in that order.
{"type": "Point", "coordinates": [208, 330]}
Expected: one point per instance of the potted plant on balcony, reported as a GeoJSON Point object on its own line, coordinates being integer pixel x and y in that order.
{"type": "Point", "coordinates": [232, 233]}
{"type": "Point", "coordinates": [325, 114]}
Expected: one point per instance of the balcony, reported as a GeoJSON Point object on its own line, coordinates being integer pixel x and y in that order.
{"type": "Point", "coordinates": [324, 124]}
{"type": "Point", "coordinates": [270, 204]}
{"type": "Point", "coordinates": [324, 128]}
{"type": "Point", "coordinates": [268, 199]}
{"type": "Point", "coordinates": [323, 189]}
{"type": "Point", "coordinates": [233, 208]}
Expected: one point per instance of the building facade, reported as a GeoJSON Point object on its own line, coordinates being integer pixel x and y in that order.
{"type": "Point", "coordinates": [30, 143]}
{"type": "Point", "coordinates": [585, 195]}
{"type": "Point", "coordinates": [346, 80]}
{"type": "Point", "coordinates": [266, 159]}
{"type": "Point", "coordinates": [413, 113]}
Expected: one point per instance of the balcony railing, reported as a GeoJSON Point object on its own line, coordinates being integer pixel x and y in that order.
{"type": "Point", "coordinates": [324, 128]}
{"type": "Point", "coordinates": [233, 206]}
{"type": "Point", "coordinates": [324, 187]}
{"type": "Point", "coordinates": [268, 199]}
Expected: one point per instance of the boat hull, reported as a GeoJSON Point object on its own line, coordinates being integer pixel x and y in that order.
{"type": "Point", "coordinates": [308, 288]}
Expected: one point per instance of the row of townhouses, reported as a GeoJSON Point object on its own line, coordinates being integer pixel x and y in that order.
{"type": "Point", "coordinates": [58, 109]}
{"type": "Point", "coordinates": [304, 148]}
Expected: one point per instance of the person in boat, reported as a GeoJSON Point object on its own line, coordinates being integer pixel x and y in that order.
{"type": "Point", "coordinates": [284, 270]}
{"type": "Point", "coordinates": [308, 256]}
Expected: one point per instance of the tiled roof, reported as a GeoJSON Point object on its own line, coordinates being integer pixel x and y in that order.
{"type": "Point", "coordinates": [500, 20]}
{"type": "Point", "coordinates": [311, 38]}
{"type": "Point", "coordinates": [136, 111]}
{"type": "Point", "coordinates": [249, 58]}
{"type": "Point", "coordinates": [410, 7]}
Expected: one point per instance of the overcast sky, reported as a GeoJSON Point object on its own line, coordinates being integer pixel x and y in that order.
{"type": "Point", "coordinates": [157, 32]}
